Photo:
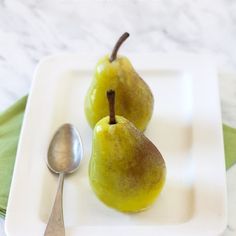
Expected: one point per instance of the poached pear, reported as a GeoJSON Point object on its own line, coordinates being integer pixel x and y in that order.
{"type": "Point", "coordinates": [126, 170]}
{"type": "Point", "coordinates": [135, 99]}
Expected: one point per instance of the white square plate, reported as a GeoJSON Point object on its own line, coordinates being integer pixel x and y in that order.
{"type": "Point", "coordinates": [186, 127]}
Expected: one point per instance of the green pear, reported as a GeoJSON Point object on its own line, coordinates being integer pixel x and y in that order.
{"type": "Point", "coordinates": [135, 99]}
{"type": "Point", "coordinates": [126, 170]}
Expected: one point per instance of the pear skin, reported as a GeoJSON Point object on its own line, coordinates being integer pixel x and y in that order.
{"type": "Point", "coordinates": [126, 170]}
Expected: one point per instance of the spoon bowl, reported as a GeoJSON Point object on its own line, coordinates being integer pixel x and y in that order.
{"type": "Point", "coordinates": [65, 150]}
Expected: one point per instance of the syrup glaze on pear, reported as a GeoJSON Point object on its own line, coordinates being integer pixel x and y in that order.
{"type": "Point", "coordinates": [134, 97]}
{"type": "Point", "coordinates": [126, 170]}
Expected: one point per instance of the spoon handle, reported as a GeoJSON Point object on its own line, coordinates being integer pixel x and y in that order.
{"type": "Point", "coordinates": [55, 226]}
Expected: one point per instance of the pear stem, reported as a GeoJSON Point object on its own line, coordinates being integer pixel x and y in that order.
{"type": "Point", "coordinates": [117, 46]}
{"type": "Point", "coordinates": [111, 100]}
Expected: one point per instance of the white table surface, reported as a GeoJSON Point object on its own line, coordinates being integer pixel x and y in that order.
{"type": "Point", "coordinates": [32, 29]}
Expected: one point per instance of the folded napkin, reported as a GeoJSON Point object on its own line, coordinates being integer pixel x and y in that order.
{"type": "Point", "coordinates": [230, 145]}
{"type": "Point", "coordinates": [10, 126]}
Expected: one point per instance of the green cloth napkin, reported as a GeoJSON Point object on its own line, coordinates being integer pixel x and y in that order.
{"type": "Point", "coordinates": [230, 145]}
{"type": "Point", "coordinates": [10, 126]}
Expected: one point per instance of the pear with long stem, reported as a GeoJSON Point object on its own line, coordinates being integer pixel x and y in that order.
{"type": "Point", "coordinates": [134, 97]}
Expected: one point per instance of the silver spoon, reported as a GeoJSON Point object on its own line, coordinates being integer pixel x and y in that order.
{"type": "Point", "coordinates": [64, 156]}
